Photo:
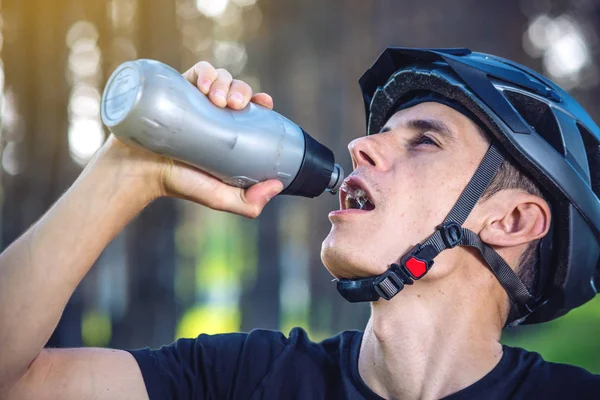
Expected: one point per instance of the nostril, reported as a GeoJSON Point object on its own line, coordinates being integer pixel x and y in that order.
{"type": "Point", "coordinates": [366, 157]}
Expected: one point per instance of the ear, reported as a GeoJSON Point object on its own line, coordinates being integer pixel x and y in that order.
{"type": "Point", "coordinates": [515, 217]}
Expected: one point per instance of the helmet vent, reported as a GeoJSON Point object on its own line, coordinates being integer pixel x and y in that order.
{"type": "Point", "coordinates": [592, 148]}
{"type": "Point", "coordinates": [539, 116]}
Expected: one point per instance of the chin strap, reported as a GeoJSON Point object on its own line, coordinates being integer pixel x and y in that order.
{"type": "Point", "coordinates": [419, 260]}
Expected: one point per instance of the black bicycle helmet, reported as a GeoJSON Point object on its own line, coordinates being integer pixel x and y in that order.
{"type": "Point", "coordinates": [539, 127]}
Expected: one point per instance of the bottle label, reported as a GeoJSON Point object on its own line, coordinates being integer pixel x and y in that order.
{"type": "Point", "coordinates": [120, 95]}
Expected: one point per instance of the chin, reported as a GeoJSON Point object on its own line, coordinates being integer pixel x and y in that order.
{"type": "Point", "coordinates": [347, 258]}
{"type": "Point", "coordinates": [334, 259]}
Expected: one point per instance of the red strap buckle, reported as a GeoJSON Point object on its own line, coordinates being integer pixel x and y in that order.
{"type": "Point", "coordinates": [416, 266]}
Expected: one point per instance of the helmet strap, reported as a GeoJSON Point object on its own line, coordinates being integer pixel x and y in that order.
{"type": "Point", "coordinates": [419, 260]}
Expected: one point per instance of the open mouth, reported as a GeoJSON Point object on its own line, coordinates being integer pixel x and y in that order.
{"type": "Point", "coordinates": [355, 197]}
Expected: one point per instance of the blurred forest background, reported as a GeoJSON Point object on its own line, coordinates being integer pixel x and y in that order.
{"type": "Point", "coordinates": [179, 269]}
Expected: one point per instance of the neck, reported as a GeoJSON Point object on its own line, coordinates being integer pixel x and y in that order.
{"type": "Point", "coordinates": [428, 343]}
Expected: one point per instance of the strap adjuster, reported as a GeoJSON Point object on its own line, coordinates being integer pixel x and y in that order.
{"type": "Point", "coordinates": [452, 234]}
{"type": "Point", "coordinates": [389, 284]}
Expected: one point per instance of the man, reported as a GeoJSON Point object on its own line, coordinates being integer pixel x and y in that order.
{"type": "Point", "coordinates": [499, 154]}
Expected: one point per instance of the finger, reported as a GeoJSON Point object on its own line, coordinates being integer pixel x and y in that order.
{"type": "Point", "coordinates": [203, 188]}
{"type": "Point", "coordinates": [202, 75]}
{"type": "Point", "coordinates": [261, 193]}
{"type": "Point", "coordinates": [251, 201]}
{"type": "Point", "coordinates": [263, 99]}
{"type": "Point", "coordinates": [239, 94]}
{"type": "Point", "coordinates": [220, 88]}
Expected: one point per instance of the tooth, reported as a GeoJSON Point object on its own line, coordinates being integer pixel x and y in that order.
{"type": "Point", "coordinates": [362, 201]}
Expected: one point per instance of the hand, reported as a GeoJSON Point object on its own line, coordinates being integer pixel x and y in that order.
{"type": "Point", "coordinates": [175, 179]}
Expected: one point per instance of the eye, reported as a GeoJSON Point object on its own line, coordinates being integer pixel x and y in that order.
{"type": "Point", "coordinates": [422, 139]}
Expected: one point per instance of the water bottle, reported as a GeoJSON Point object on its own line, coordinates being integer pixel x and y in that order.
{"type": "Point", "coordinates": [149, 104]}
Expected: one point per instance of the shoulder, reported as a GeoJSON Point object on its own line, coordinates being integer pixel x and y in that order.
{"type": "Point", "coordinates": [306, 369]}
{"type": "Point", "coordinates": [297, 354]}
{"type": "Point", "coordinates": [270, 364]}
{"type": "Point", "coordinates": [556, 379]}
{"type": "Point", "coordinates": [235, 364]}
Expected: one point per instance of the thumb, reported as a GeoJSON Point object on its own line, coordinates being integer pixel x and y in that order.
{"type": "Point", "coordinates": [261, 193]}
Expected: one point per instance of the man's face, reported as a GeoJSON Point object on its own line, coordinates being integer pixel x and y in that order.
{"type": "Point", "coordinates": [413, 172]}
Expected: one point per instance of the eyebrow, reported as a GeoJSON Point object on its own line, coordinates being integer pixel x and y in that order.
{"type": "Point", "coordinates": [424, 125]}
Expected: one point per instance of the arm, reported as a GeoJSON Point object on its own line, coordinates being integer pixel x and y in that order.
{"type": "Point", "coordinates": [40, 270]}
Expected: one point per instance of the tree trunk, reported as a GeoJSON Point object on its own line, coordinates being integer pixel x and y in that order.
{"type": "Point", "coordinates": [35, 57]}
{"type": "Point", "coordinates": [152, 310]}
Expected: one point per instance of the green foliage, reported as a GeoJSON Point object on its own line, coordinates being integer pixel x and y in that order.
{"type": "Point", "coordinates": [228, 254]}
{"type": "Point", "coordinates": [96, 329]}
{"type": "Point", "coordinates": [571, 339]}
{"type": "Point", "coordinates": [209, 319]}
{"type": "Point", "coordinates": [225, 261]}
{"type": "Point", "coordinates": [291, 320]}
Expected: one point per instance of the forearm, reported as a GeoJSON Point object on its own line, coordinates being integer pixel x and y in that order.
{"type": "Point", "coordinates": [40, 271]}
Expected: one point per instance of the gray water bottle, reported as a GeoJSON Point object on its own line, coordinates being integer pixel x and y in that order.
{"type": "Point", "coordinates": [149, 104]}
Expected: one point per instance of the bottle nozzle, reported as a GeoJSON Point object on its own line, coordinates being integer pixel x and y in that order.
{"type": "Point", "coordinates": [337, 177]}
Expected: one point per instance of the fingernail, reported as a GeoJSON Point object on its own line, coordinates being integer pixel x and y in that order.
{"type": "Point", "coordinates": [219, 94]}
{"type": "Point", "coordinates": [205, 85]}
{"type": "Point", "coordinates": [236, 98]}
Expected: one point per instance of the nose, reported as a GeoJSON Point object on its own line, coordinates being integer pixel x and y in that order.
{"type": "Point", "coordinates": [363, 152]}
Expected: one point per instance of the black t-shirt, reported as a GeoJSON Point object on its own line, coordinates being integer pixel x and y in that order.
{"type": "Point", "coordinates": [265, 364]}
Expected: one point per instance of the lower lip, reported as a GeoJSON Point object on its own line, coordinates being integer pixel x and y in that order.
{"type": "Point", "coordinates": [346, 213]}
